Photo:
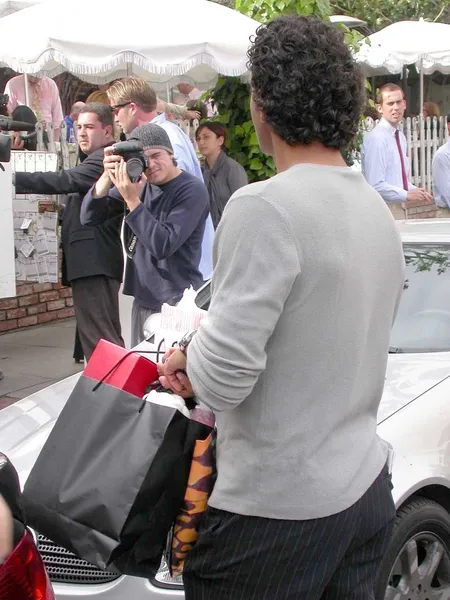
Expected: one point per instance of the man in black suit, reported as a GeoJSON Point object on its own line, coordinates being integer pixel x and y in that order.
{"type": "Point", "coordinates": [92, 256]}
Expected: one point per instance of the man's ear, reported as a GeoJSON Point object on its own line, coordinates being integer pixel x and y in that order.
{"type": "Point", "coordinates": [379, 108]}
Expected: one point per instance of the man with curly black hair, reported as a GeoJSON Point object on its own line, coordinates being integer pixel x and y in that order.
{"type": "Point", "coordinates": [292, 356]}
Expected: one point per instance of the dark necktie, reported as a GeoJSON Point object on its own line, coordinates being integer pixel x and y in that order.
{"type": "Point", "coordinates": [402, 160]}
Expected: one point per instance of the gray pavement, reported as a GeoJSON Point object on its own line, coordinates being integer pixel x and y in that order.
{"type": "Point", "coordinates": [34, 358]}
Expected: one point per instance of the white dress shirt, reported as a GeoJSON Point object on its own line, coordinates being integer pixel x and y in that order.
{"type": "Point", "coordinates": [381, 162]}
{"type": "Point", "coordinates": [441, 176]}
{"type": "Point", "coordinates": [44, 98]}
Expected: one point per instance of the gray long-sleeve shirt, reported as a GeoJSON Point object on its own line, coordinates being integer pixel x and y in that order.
{"type": "Point", "coordinates": [292, 355]}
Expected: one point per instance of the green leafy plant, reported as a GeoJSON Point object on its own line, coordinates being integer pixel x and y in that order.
{"type": "Point", "coordinates": [232, 98]}
{"type": "Point", "coordinates": [264, 10]}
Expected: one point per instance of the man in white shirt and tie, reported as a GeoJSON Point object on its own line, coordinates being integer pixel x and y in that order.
{"type": "Point", "coordinates": [384, 160]}
{"type": "Point", "coordinates": [441, 173]}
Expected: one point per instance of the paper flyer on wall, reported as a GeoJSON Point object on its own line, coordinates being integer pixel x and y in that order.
{"type": "Point", "coordinates": [36, 231]}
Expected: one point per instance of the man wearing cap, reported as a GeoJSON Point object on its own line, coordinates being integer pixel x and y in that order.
{"type": "Point", "coordinates": [164, 225]}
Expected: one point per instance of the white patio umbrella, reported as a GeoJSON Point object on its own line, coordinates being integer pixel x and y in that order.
{"type": "Point", "coordinates": [155, 40]}
{"type": "Point", "coordinates": [10, 6]}
{"type": "Point", "coordinates": [427, 45]}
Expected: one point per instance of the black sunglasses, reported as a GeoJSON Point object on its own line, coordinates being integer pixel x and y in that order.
{"type": "Point", "coordinates": [115, 107]}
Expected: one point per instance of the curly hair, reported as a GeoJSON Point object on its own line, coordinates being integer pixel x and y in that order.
{"type": "Point", "coordinates": [305, 81]}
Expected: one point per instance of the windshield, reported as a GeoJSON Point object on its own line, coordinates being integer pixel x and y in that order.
{"type": "Point", "coordinates": [423, 319]}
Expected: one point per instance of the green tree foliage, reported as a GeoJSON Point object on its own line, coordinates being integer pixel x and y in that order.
{"type": "Point", "coordinates": [231, 96]}
{"type": "Point", "coordinates": [264, 10]}
{"type": "Point", "coordinates": [380, 13]}
{"type": "Point", "coordinates": [232, 99]}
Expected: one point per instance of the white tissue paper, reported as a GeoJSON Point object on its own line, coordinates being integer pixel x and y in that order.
{"type": "Point", "coordinates": [175, 321]}
{"type": "Point", "coordinates": [184, 316]}
{"type": "Point", "coordinates": [169, 400]}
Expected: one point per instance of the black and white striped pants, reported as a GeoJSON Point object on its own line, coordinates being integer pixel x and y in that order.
{"type": "Point", "coordinates": [251, 558]}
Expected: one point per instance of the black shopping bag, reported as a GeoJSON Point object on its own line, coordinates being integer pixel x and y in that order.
{"type": "Point", "coordinates": [111, 477]}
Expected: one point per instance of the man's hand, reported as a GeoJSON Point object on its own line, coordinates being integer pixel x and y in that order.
{"type": "Point", "coordinates": [192, 114]}
{"type": "Point", "coordinates": [5, 531]}
{"type": "Point", "coordinates": [102, 186]}
{"type": "Point", "coordinates": [171, 373]}
{"type": "Point", "coordinates": [129, 191]}
{"type": "Point", "coordinates": [16, 142]}
{"type": "Point", "coordinates": [110, 161]}
{"type": "Point", "coordinates": [105, 182]}
{"type": "Point", "coordinates": [418, 195]}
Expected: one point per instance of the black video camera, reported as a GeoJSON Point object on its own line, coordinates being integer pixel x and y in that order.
{"type": "Point", "coordinates": [133, 155]}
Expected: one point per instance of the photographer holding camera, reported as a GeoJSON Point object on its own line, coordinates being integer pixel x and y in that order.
{"type": "Point", "coordinates": [166, 210]}
{"type": "Point", "coordinates": [134, 102]}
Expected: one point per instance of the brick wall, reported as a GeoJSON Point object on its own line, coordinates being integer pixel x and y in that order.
{"type": "Point", "coordinates": [416, 209]}
{"type": "Point", "coordinates": [35, 303]}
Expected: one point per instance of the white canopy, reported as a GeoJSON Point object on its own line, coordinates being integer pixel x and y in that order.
{"type": "Point", "coordinates": [161, 41]}
{"type": "Point", "coordinates": [9, 6]}
{"type": "Point", "coordinates": [425, 44]}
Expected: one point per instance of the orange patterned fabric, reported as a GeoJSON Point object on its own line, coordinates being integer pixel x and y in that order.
{"type": "Point", "coordinates": [199, 487]}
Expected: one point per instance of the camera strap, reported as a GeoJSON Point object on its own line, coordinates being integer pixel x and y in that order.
{"type": "Point", "coordinates": [129, 238]}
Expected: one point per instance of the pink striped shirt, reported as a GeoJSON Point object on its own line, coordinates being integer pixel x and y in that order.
{"type": "Point", "coordinates": [43, 97]}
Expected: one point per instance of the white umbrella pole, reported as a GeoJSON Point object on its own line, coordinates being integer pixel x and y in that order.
{"type": "Point", "coordinates": [421, 87]}
{"type": "Point", "coordinates": [129, 69]}
{"type": "Point", "coordinates": [27, 91]}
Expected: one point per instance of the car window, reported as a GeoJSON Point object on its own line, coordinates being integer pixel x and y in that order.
{"type": "Point", "coordinates": [423, 318]}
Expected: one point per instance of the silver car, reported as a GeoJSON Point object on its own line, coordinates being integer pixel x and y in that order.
{"type": "Point", "coordinates": [414, 418]}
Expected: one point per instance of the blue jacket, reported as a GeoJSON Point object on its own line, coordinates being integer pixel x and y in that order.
{"type": "Point", "coordinates": [168, 229]}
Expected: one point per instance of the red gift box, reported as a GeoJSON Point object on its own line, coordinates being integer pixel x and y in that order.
{"type": "Point", "coordinates": [133, 374]}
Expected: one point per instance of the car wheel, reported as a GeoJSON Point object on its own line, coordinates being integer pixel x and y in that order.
{"type": "Point", "coordinates": [416, 565]}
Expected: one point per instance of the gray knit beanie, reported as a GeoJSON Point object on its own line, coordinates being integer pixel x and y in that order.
{"type": "Point", "coordinates": [152, 136]}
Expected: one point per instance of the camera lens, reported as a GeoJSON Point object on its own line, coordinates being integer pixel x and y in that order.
{"type": "Point", "coordinates": [134, 169]}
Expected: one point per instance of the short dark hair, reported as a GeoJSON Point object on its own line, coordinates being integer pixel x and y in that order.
{"type": "Point", "coordinates": [306, 82]}
{"type": "Point", "coordinates": [448, 117]}
{"type": "Point", "coordinates": [218, 129]}
{"type": "Point", "coordinates": [388, 87]}
{"type": "Point", "coordinates": [103, 112]}
{"type": "Point", "coordinates": [25, 114]}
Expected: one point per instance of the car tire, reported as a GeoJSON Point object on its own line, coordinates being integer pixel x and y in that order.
{"type": "Point", "coordinates": [416, 565]}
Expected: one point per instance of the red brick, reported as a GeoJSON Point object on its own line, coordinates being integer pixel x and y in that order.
{"type": "Point", "coordinates": [8, 303]}
{"type": "Point", "coordinates": [65, 292]}
{"type": "Point", "coordinates": [56, 305]}
{"type": "Point", "coordinates": [29, 300]}
{"type": "Point", "coordinates": [37, 309]}
{"type": "Point", "coordinates": [2, 315]}
{"type": "Point", "coordinates": [65, 313]}
{"type": "Point", "coordinates": [48, 296]}
{"type": "Point", "coordinates": [46, 317]}
{"type": "Point", "coordinates": [42, 287]}
{"type": "Point", "coordinates": [27, 321]}
{"type": "Point", "coordinates": [16, 313]}
{"type": "Point", "coordinates": [57, 286]}
{"type": "Point", "coordinates": [8, 325]}
{"type": "Point", "coordinates": [69, 302]}
{"type": "Point", "coordinates": [24, 290]}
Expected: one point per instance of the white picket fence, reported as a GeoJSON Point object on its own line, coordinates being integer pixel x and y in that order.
{"type": "Point", "coordinates": [423, 138]}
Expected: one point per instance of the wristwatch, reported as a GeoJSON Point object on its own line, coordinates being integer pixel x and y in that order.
{"type": "Point", "coordinates": [186, 340]}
